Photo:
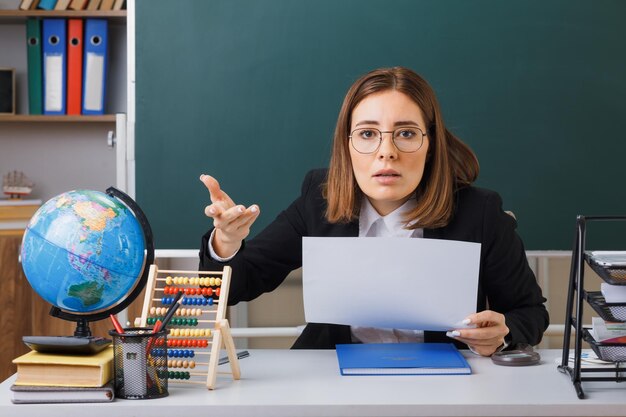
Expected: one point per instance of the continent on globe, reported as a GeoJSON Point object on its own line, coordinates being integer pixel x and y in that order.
{"type": "Point", "coordinates": [89, 293]}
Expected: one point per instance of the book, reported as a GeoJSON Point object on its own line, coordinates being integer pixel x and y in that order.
{"type": "Point", "coordinates": [93, 4]}
{"type": "Point", "coordinates": [401, 359]}
{"type": "Point", "coordinates": [45, 369]}
{"type": "Point", "coordinates": [46, 4]}
{"type": "Point", "coordinates": [25, 4]}
{"type": "Point", "coordinates": [118, 5]}
{"type": "Point", "coordinates": [62, 5]}
{"type": "Point", "coordinates": [77, 5]}
{"type": "Point", "coordinates": [106, 5]}
{"type": "Point", "coordinates": [31, 394]}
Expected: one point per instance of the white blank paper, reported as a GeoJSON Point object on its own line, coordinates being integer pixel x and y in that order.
{"type": "Point", "coordinates": [401, 283]}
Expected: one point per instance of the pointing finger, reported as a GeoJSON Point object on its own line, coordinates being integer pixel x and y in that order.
{"type": "Point", "coordinates": [215, 191]}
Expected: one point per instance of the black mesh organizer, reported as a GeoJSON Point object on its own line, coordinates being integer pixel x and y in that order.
{"type": "Point", "coordinates": [140, 363]}
{"type": "Point", "coordinates": [611, 267]}
{"type": "Point", "coordinates": [607, 311]}
{"type": "Point", "coordinates": [614, 274]}
{"type": "Point", "coordinates": [610, 352]}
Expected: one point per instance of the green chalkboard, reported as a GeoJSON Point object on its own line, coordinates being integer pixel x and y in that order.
{"type": "Point", "coordinates": [249, 91]}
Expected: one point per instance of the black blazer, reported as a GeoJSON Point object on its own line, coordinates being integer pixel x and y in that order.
{"type": "Point", "coordinates": [506, 283]}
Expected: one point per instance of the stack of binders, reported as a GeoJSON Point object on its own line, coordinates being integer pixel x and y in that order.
{"type": "Point", "coordinates": [67, 66]}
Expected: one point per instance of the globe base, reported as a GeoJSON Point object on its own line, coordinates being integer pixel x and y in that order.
{"type": "Point", "coordinates": [66, 344]}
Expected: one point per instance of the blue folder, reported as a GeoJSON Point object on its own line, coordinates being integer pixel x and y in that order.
{"type": "Point", "coordinates": [94, 65]}
{"type": "Point", "coordinates": [54, 49]}
{"type": "Point", "coordinates": [401, 359]}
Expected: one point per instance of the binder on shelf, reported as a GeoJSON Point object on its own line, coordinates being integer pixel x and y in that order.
{"type": "Point", "coordinates": [95, 65]}
{"type": "Point", "coordinates": [54, 65]}
{"type": "Point", "coordinates": [74, 66]}
{"type": "Point", "coordinates": [47, 4]}
{"type": "Point", "coordinates": [33, 49]}
{"type": "Point", "coordinates": [401, 359]}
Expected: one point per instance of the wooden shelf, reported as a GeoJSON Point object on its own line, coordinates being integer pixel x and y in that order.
{"type": "Point", "coordinates": [27, 118]}
{"type": "Point", "coordinates": [21, 15]}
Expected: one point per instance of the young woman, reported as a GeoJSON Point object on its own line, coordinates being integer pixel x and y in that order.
{"type": "Point", "coordinates": [395, 170]}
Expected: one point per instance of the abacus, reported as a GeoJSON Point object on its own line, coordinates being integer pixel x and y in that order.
{"type": "Point", "coordinates": [199, 329]}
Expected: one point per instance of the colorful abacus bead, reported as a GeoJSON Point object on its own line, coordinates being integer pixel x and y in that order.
{"type": "Point", "coordinates": [179, 375]}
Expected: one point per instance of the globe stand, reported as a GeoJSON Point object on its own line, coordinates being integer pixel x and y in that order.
{"type": "Point", "coordinates": [83, 342]}
{"type": "Point", "coordinates": [82, 329]}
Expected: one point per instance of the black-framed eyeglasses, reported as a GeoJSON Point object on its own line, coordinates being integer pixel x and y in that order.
{"type": "Point", "coordinates": [368, 139]}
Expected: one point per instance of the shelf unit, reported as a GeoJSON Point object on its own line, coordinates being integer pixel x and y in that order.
{"type": "Point", "coordinates": [18, 17]}
{"type": "Point", "coordinates": [611, 352]}
{"type": "Point", "coordinates": [29, 142]}
{"type": "Point", "coordinates": [58, 153]}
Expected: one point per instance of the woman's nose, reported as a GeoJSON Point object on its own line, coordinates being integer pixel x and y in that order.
{"type": "Point", "coordinates": [387, 149]}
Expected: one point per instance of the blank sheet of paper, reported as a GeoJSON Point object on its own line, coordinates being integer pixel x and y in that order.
{"type": "Point", "coordinates": [401, 283]}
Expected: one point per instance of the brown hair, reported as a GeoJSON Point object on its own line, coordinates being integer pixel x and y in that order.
{"type": "Point", "coordinates": [449, 165]}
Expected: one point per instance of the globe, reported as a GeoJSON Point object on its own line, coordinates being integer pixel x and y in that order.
{"type": "Point", "coordinates": [85, 252]}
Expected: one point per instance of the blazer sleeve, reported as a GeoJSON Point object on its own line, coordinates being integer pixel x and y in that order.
{"type": "Point", "coordinates": [509, 284]}
{"type": "Point", "coordinates": [264, 262]}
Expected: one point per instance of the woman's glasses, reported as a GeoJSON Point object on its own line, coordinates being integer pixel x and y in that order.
{"type": "Point", "coordinates": [368, 139]}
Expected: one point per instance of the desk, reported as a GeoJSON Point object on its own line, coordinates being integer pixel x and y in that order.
{"type": "Point", "coordinates": [307, 383]}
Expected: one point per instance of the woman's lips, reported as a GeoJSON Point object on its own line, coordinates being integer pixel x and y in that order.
{"type": "Point", "coordinates": [386, 176]}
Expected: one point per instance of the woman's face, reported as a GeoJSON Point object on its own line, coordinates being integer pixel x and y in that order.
{"type": "Point", "coordinates": [388, 177]}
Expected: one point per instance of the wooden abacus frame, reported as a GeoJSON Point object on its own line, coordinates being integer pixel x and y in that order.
{"type": "Point", "coordinates": [220, 335]}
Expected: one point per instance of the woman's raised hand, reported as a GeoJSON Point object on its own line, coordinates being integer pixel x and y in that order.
{"type": "Point", "coordinates": [231, 221]}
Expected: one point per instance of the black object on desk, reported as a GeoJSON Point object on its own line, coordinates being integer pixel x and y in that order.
{"type": "Point", "coordinates": [523, 355]}
{"type": "Point", "coordinates": [67, 344]}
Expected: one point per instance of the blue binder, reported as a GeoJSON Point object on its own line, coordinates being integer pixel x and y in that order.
{"type": "Point", "coordinates": [54, 50]}
{"type": "Point", "coordinates": [94, 65]}
{"type": "Point", "coordinates": [401, 359]}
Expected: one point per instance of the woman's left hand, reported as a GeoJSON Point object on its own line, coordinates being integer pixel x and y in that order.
{"type": "Point", "coordinates": [488, 335]}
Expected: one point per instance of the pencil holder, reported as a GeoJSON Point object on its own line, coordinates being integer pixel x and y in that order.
{"type": "Point", "coordinates": [140, 363]}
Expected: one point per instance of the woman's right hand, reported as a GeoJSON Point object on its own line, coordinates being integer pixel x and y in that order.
{"type": "Point", "coordinates": [232, 222]}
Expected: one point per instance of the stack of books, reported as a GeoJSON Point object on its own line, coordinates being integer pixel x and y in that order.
{"type": "Point", "coordinates": [57, 378]}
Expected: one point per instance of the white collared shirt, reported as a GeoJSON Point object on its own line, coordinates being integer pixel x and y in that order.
{"type": "Point", "coordinates": [372, 224]}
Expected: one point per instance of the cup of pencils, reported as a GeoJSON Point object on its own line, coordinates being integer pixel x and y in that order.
{"type": "Point", "coordinates": [140, 362]}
